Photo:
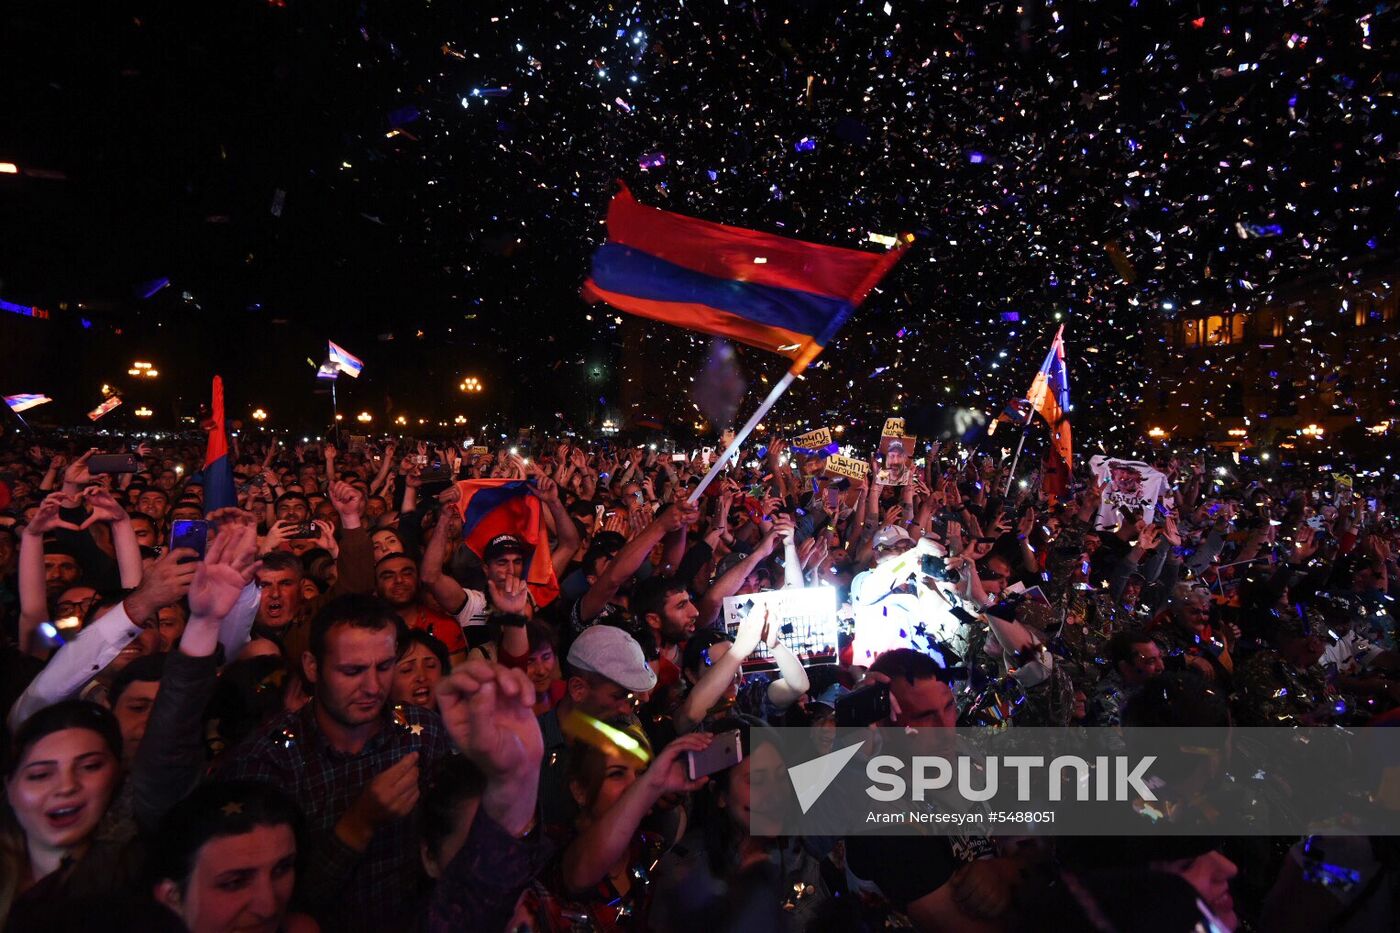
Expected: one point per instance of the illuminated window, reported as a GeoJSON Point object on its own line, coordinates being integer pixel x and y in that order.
{"type": "Point", "coordinates": [1191, 333]}
{"type": "Point", "coordinates": [1237, 324]}
{"type": "Point", "coordinates": [1359, 316]}
{"type": "Point", "coordinates": [1216, 332]}
{"type": "Point", "coordinates": [1280, 325]}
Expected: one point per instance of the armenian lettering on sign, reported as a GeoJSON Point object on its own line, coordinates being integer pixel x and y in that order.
{"type": "Point", "coordinates": [813, 440]}
{"type": "Point", "coordinates": [893, 427]}
{"type": "Point", "coordinates": [847, 466]}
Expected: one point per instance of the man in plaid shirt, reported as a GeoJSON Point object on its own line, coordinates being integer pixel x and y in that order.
{"type": "Point", "coordinates": [355, 768]}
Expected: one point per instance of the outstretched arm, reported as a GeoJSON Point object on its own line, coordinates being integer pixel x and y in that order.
{"type": "Point", "coordinates": [630, 558]}
{"type": "Point", "coordinates": [565, 531]}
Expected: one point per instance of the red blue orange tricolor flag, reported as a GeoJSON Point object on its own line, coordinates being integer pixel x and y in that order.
{"type": "Point", "coordinates": [491, 507]}
{"type": "Point", "coordinates": [218, 467]}
{"type": "Point", "coordinates": [1049, 397]}
{"type": "Point", "coordinates": [779, 294]}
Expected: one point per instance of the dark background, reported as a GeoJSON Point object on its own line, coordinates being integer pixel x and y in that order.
{"type": "Point", "coordinates": [445, 168]}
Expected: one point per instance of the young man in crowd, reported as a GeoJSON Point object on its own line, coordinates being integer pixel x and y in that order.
{"type": "Point", "coordinates": [653, 577]}
{"type": "Point", "coordinates": [354, 770]}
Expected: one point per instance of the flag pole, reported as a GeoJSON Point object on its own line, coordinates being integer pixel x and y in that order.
{"type": "Point", "coordinates": [773, 395]}
{"type": "Point", "coordinates": [335, 410]}
{"type": "Point", "coordinates": [1030, 415]}
{"type": "Point", "coordinates": [1011, 474]}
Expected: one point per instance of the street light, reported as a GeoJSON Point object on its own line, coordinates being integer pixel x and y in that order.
{"type": "Point", "coordinates": [143, 412]}
{"type": "Point", "coordinates": [401, 419]}
{"type": "Point", "coordinates": [142, 369]}
{"type": "Point", "coordinates": [259, 414]}
{"type": "Point", "coordinates": [460, 419]}
{"type": "Point", "coordinates": [364, 417]}
{"type": "Point", "coordinates": [471, 384]}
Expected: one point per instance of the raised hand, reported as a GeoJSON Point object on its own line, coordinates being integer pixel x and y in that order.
{"type": "Point", "coordinates": [680, 515]}
{"type": "Point", "coordinates": [1027, 522]}
{"type": "Point", "coordinates": [226, 569]}
{"type": "Point", "coordinates": [1147, 537]}
{"type": "Point", "coordinates": [104, 507]}
{"type": "Point", "coordinates": [488, 711]}
{"type": "Point", "coordinates": [616, 522]}
{"type": "Point", "coordinates": [954, 533]}
{"type": "Point", "coordinates": [1169, 530]}
{"type": "Point", "coordinates": [224, 518]}
{"type": "Point", "coordinates": [1306, 543]}
{"type": "Point", "coordinates": [77, 474]}
{"type": "Point", "coordinates": [512, 596]}
{"type": "Point", "coordinates": [545, 489]}
{"type": "Point", "coordinates": [749, 636]}
{"type": "Point", "coordinates": [668, 773]}
{"type": "Point", "coordinates": [349, 503]}
{"type": "Point", "coordinates": [167, 580]}
{"type": "Point", "coordinates": [279, 534]}
{"type": "Point", "coordinates": [326, 537]}
{"type": "Point", "coordinates": [47, 518]}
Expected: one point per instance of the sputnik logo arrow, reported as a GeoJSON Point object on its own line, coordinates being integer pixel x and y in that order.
{"type": "Point", "coordinates": [811, 778]}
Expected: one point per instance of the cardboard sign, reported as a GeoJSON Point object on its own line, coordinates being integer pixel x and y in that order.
{"type": "Point", "coordinates": [897, 452]}
{"type": "Point", "coordinates": [805, 618]}
{"type": "Point", "coordinates": [813, 440]}
{"type": "Point", "coordinates": [893, 427]}
{"type": "Point", "coordinates": [105, 407]}
{"type": "Point", "coordinates": [478, 451]}
{"type": "Point", "coordinates": [847, 466]}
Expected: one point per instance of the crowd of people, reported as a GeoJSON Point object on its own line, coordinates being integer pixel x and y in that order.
{"type": "Point", "coordinates": [331, 713]}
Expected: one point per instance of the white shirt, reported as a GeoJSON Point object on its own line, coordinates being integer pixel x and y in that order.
{"type": "Point", "coordinates": [75, 663]}
{"type": "Point", "coordinates": [474, 610]}
{"type": "Point", "coordinates": [90, 651]}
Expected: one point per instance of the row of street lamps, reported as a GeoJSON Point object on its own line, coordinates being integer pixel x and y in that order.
{"type": "Point", "coordinates": [471, 385]}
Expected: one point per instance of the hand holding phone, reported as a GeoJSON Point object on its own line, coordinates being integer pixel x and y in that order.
{"type": "Point", "coordinates": [190, 533]}
{"type": "Point", "coordinates": [304, 530]}
{"type": "Point", "coordinates": [865, 706]}
{"type": "Point", "coordinates": [113, 463]}
{"type": "Point", "coordinates": [726, 751]}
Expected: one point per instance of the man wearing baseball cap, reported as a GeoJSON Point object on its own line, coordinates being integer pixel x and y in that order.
{"type": "Point", "coordinates": [607, 676]}
{"type": "Point", "coordinates": [504, 562]}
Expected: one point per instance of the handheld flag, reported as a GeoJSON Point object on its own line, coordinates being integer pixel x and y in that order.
{"type": "Point", "coordinates": [1017, 411]}
{"type": "Point", "coordinates": [218, 468]}
{"type": "Point", "coordinates": [492, 507]}
{"type": "Point", "coordinates": [344, 361]}
{"type": "Point", "coordinates": [778, 294]}
{"type": "Point", "coordinates": [19, 403]}
{"type": "Point", "coordinates": [1049, 396]}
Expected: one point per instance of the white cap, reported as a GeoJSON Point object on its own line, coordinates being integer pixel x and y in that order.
{"type": "Point", "coordinates": [889, 535]}
{"type": "Point", "coordinates": [610, 652]}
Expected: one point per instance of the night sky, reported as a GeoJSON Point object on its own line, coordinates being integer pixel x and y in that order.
{"type": "Point", "coordinates": [424, 183]}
